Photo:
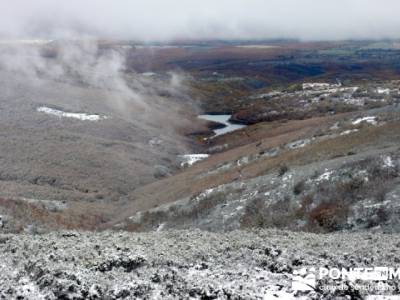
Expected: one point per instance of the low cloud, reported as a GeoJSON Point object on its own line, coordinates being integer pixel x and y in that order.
{"type": "Point", "coordinates": [152, 104]}
{"type": "Point", "coordinates": [206, 19]}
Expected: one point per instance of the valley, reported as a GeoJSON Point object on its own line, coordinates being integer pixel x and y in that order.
{"type": "Point", "coordinates": [267, 153]}
{"type": "Point", "coordinates": [229, 149]}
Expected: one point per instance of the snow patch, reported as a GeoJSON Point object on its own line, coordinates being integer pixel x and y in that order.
{"type": "Point", "coordinates": [287, 177]}
{"type": "Point", "coordinates": [161, 227]}
{"type": "Point", "coordinates": [378, 205]}
{"type": "Point", "coordinates": [346, 132]}
{"type": "Point", "coordinates": [383, 91]}
{"type": "Point", "coordinates": [298, 144]}
{"type": "Point", "coordinates": [79, 116]}
{"type": "Point", "coordinates": [317, 86]}
{"type": "Point", "coordinates": [243, 161]}
{"type": "Point", "coordinates": [190, 159]}
{"type": "Point", "coordinates": [325, 176]}
{"type": "Point", "coordinates": [207, 192]}
{"type": "Point", "coordinates": [388, 162]}
{"type": "Point", "coordinates": [355, 101]}
{"type": "Point", "coordinates": [267, 95]}
{"type": "Point", "coordinates": [334, 126]}
{"type": "Point", "coordinates": [155, 142]}
{"type": "Point", "coordinates": [369, 120]}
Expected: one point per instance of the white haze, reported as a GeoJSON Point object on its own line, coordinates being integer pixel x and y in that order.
{"type": "Point", "coordinates": [201, 19]}
{"type": "Point", "coordinates": [76, 63]}
{"type": "Point", "coordinates": [83, 66]}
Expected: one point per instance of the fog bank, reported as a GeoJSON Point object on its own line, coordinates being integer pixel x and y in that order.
{"type": "Point", "coordinates": [206, 19]}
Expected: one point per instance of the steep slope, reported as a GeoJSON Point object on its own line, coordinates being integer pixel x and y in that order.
{"type": "Point", "coordinates": [76, 126]}
{"type": "Point", "coordinates": [320, 174]}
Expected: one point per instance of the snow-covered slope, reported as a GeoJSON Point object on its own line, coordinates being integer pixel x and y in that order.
{"type": "Point", "coordinates": [183, 264]}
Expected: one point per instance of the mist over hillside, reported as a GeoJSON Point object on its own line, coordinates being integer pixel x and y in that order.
{"type": "Point", "coordinates": [95, 130]}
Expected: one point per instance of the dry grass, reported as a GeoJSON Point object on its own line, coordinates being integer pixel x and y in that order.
{"type": "Point", "coordinates": [327, 149]}
{"type": "Point", "coordinates": [77, 216]}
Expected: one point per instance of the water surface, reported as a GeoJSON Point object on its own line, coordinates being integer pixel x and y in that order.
{"type": "Point", "coordinates": [222, 119]}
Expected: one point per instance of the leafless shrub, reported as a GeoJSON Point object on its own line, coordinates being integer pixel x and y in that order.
{"type": "Point", "coordinates": [379, 189]}
{"type": "Point", "coordinates": [329, 215]}
{"type": "Point", "coordinates": [305, 203]}
{"type": "Point", "coordinates": [258, 214]}
{"type": "Point", "coordinates": [253, 215]}
{"type": "Point", "coordinates": [283, 169]}
{"type": "Point", "coordinates": [205, 205]}
{"type": "Point", "coordinates": [299, 187]}
{"type": "Point", "coordinates": [380, 217]}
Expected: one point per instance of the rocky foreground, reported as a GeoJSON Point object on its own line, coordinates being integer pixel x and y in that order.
{"type": "Point", "coordinates": [184, 264]}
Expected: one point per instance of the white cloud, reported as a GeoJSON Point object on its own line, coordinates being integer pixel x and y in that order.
{"type": "Point", "coordinates": [173, 19]}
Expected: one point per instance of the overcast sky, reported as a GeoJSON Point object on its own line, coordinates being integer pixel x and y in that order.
{"type": "Point", "coordinates": [201, 19]}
